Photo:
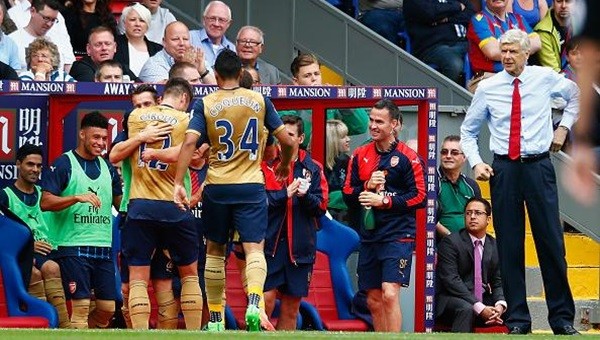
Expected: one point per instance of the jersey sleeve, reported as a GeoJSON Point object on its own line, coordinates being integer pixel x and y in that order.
{"type": "Point", "coordinates": [57, 179]}
{"type": "Point", "coordinates": [272, 121]}
{"type": "Point", "coordinates": [481, 30]}
{"type": "Point", "coordinates": [197, 124]}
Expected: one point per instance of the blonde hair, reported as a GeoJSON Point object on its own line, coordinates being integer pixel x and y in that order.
{"type": "Point", "coordinates": [140, 9]}
{"type": "Point", "coordinates": [336, 130]}
{"type": "Point", "coordinates": [42, 44]}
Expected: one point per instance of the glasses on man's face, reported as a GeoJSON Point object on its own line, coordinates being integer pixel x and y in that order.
{"type": "Point", "coordinates": [217, 20]}
{"type": "Point", "coordinates": [100, 44]}
{"type": "Point", "coordinates": [48, 20]}
{"type": "Point", "coordinates": [453, 152]}
{"type": "Point", "coordinates": [477, 213]}
{"type": "Point", "coordinates": [248, 42]}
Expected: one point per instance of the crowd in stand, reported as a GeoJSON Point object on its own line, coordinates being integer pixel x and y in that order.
{"type": "Point", "coordinates": [376, 191]}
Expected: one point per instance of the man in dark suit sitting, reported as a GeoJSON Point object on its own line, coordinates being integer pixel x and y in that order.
{"type": "Point", "coordinates": [466, 296]}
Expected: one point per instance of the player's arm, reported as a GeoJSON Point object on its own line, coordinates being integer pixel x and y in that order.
{"type": "Point", "coordinates": [168, 155]}
{"type": "Point", "coordinates": [278, 130]}
{"type": "Point", "coordinates": [52, 202]}
{"type": "Point", "coordinates": [152, 133]}
{"type": "Point", "coordinates": [185, 156]}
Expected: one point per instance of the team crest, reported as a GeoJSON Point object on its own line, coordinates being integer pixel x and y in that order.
{"type": "Point", "coordinates": [307, 174]}
{"type": "Point", "coordinates": [394, 161]}
{"type": "Point", "coordinates": [72, 287]}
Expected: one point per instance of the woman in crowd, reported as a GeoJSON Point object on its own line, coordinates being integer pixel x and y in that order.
{"type": "Point", "coordinates": [83, 15]}
{"type": "Point", "coordinates": [133, 47]}
{"type": "Point", "coordinates": [9, 51]}
{"type": "Point", "coordinates": [42, 62]}
{"type": "Point", "coordinates": [532, 10]}
{"type": "Point", "coordinates": [336, 164]}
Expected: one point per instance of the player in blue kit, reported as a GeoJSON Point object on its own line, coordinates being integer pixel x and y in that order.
{"type": "Point", "coordinates": [231, 120]}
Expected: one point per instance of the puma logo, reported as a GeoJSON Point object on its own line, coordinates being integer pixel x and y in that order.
{"type": "Point", "coordinates": [31, 217]}
{"type": "Point", "coordinates": [95, 192]}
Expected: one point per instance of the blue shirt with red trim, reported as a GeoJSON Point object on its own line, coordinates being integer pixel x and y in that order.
{"type": "Point", "coordinates": [484, 28]}
{"type": "Point", "coordinates": [404, 185]}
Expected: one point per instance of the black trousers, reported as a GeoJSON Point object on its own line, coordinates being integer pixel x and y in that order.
{"type": "Point", "coordinates": [532, 184]}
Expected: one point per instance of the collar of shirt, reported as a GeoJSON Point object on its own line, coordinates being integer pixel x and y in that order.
{"type": "Point", "coordinates": [473, 239]}
{"type": "Point", "coordinates": [205, 38]}
{"type": "Point", "coordinates": [170, 60]}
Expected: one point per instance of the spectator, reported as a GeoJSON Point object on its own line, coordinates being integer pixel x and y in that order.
{"type": "Point", "coordinates": [133, 47]}
{"type": "Point", "coordinates": [176, 48]}
{"type": "Point", "coordinates": [42, 63]}
{"type": "Point", "coordinates": [7, 72]}
{"type": "Point", "coordinates": [555, 31]}
{"type": "Point", "coordinates": [531, 10]}
{"type": "Point", "coordinates": [101, 47]}
{"type": "Point", "coordinates": [336, 165]}
{"type": "Point", "coordinates": [483, 33]}
{"type": "Point", "coordinates": [9, 51]}
{"type": "Point", "coordinates": [386, 181]}
{"type": "Point", "coordinates": [84, 15]}
{"type": "Point", "coordinates": [44, 14]}
{"type": "Point", "coordinates": [161, 17]}
{"type": "Point", "coordinates": [84, 184]}
{"type": "Point", "coordinates": [438, 30]}
{"type": "Point", "coordinates": [522, 170]}
{"type": "Point", "coordinates": [23, 199]}
{"type": "Point", "coordinates": [216, 20]}
{"type": "Point", "coordinates": [109, 71]}
{"type": "Point", "coordinates": [573, 55]}
{"type": "Point", "coordinates": [187, 71]}
{"type": "Point", "coordinates": [306, 71]}
{"type": "Point", "coordinates": [455, 189]}
{"type": "Point", "coordinates": [469, 284]}
{"type": "Point", "coordinates": [295, 206]}
{"type": "Point", "coordinates": [7, 25]}
{"type": "Point", "coordinates": [382, 16]}
{"type": "Point", "coordinates": [249, 46]}
{"type": "Point", "coordinates": [254, 77]}
{"type": "Point", "coordinates": [20, 14]}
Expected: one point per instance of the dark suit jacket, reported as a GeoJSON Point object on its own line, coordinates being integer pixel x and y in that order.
{"type": "Point", "coordinates": [122, 54]}
{"type": "Point", "coordinates": [454, 271]}
{"type": "Point", "coordinates": [85, 70]}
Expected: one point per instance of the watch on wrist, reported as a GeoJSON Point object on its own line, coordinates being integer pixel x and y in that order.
{"type": "Point", "coordinates": [204, 74]}
{"type": "Point", "coordinates": [385, 200]}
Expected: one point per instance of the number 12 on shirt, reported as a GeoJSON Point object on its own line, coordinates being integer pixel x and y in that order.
{"type": "Point", "coordinates": [248, 142]}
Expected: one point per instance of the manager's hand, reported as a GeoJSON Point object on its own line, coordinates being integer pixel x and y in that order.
{"type": "Point", "coordinates": [483, 171]}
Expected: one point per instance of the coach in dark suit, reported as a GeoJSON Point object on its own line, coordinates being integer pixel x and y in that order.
{"type": "Point", "coordinates": [458, 302]}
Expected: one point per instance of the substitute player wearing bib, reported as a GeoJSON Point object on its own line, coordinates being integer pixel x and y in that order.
{"type": "Point", "coordinates": [232, 120]}
{"type": "Point", "coordinates": [153, 218]}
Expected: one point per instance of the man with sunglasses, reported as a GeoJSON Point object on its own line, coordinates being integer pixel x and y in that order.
{"type": "Point", "coordinates": [44, 15]}
{"type": "Point", "coordinates": [215, 20]}
{"type": "Point", "coordinates": [469, 286]}
{"type": "Point", "coordinates": [455, 189]}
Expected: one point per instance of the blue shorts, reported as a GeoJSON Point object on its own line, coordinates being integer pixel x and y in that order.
{"type": "Point", "coordinates": [144, 236]}
{"type": "Point", "coordinates": [249, 219]}
{"type": "Point", "coordinates": [40, 259]}
{"type": "Point", "coordinates": [286, 277]}
{"type": "Point", "coordinates": [384, 262]}
{"type": "Point", "coordinates": [81, 274]}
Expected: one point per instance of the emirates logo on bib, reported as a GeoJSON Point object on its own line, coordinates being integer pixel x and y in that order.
{"type": "Point", "coordinates": [72, 287]}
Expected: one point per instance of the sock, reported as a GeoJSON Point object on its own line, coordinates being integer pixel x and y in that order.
{"type": "Point", "coordinates": [125, 309]}
{"type": "Point", "coordinates": [79, 314]}
{"type": "Point", "coordinates": [56, 296]}
{"type": "Point", "coordinates": [214, 276]}
{"type": "Point", "coordinates": [139, 304]}
{"type": "Point", "coordinates": [256, 273]}
{"type": "Point", "coordinates": [101, 316]}
{"type": "Point", "coordinates": [191, 302]}
{"type": "Point", "coordinates": [36, 289]}
{"type": "Point", "coordinates": [168, 310]}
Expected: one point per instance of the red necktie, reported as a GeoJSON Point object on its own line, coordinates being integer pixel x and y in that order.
{"type": "Point", "coordinates": [514, 141]}
{"type": "Point", "coordinates": [478, 281]}
{"type": "Point", "coordinates": [195, 181]}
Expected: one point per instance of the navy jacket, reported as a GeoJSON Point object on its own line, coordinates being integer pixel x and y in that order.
{"type": "Point", "coordinates": [405, 185]}
{"type": "Point", "coordinates": [297, 217]}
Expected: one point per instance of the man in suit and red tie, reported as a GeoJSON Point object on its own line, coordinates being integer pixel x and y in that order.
{"type": "Point", "coordinates": [469, 286]}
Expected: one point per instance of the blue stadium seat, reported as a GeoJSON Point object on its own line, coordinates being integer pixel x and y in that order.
{"type": "Point", "coordinates": [17, 307]}
{"type": "Point", "coordinates": [403, 35]}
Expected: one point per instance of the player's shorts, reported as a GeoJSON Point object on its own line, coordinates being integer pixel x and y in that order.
{"type": "Point", "coordinates": [384, 262]}
{"type": "Point", "coordinates": [288, 278]}
{"type": "Point", "coordinates": [249, 219]}
{"type": "Point", "coordinates": [144, 236]}
{"type": "Point", "coordinates": [82, 274]}
{"type": "Point", "coordinates": [161, 267]}
{"type": "Point", "coordinates": [40, 259]}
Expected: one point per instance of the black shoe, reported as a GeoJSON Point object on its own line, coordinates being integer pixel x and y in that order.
{"type": "Point", "coordinates": [566, 330]}
{"type": "Point", "coordinates": [519, 330]}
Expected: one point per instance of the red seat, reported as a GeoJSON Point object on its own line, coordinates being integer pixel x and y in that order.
{"type": "Point", "coordinates": [7, 321]}
{"type": "Point", "coordinates": [236, 297]}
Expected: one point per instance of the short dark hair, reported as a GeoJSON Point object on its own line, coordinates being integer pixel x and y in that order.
{"type": "Point", "coordinates": [94, 119]}
{"type": "Point", "coordinates": [246, 80]}
{"type": "Point", "coordinates": [572, 44]}
{"type": "Point", "coordinates": [28, 149]}
{"type": "Point", "coordinates": [294, 120]}
{"type": "Point", "coordinates": [110, 63]}
{"type": "Point", "coordinates": [145, 88]}
{"type": "Point", "coordinates": [303, 59]}
{"type": "Point", "coordinates": [392, 108]}
{"type": "Point", "coordinates": [486, 204]}
{"type": "Point", "coordinates": [39, 4]}
{"type": "Point", "coordinates": [178, 86]}
{"type": "Point", "coordinates": [451, 138]}
{"type": "Point", "coordinates": [228, 65]}
{"type": "Point", "coordinates": [100, 29]}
